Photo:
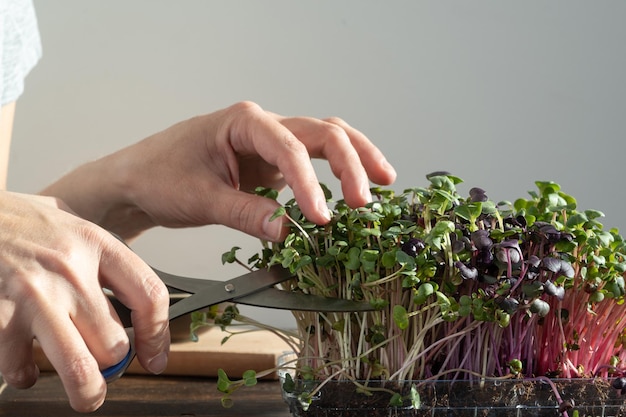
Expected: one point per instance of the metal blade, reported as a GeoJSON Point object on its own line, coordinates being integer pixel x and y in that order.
{"type": "Point", "coordinates": [124, 312]}
{"type": "Point", "coordinates": [189, 285]}
{"type": "Point", "coordinates": [215, 292]}
{"type": "Point", "coordinates": [288, 300]}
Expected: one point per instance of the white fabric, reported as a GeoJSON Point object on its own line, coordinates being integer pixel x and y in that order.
{"type": "Point", "coordinates": [20, 46]}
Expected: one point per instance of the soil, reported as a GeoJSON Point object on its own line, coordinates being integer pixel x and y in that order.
{"type": "Point", "coordinates": [587, 398]}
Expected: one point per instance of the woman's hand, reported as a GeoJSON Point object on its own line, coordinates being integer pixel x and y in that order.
{"type": "Point", "coordinates": [53, 266]}
{"type": "Point", "coordinates": [202, 171]}
{"type": "Point", "coordinates": [198, 172]}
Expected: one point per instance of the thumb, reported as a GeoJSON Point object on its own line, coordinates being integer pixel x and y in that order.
{"type": "Point", "coordinates": [253, 214]}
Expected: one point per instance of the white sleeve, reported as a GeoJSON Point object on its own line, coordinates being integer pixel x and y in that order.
{"type": "Point", "coordinates": [20, 46]}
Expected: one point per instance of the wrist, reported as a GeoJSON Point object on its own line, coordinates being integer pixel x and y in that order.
{"type": "Point", "coordinates": [102, 191]}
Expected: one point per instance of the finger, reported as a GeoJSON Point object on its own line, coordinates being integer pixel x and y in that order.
{"type": "Point", "coordinates": [353, 159]}
{"type": "Point", "coordinates": [89, 309]}
{"type": "Point", "coordinates": [96, 320]}
{"type": "Point", "coordinates": [331, 142]}
{"type": "Point", "coordinates": [78, 370]}
{"type": "Point", "coordinates": [78, 294]}
{"type": "Point", "coordinates": [17, 365]}
{"type": "Point", "coordinates": [250, 214]}
{"type": "Point", "coordinates": [256, 132]}
{"type": "Point", "coordinates": [138, 287]}
{"type": "Point", "coordinates": [376, 165]}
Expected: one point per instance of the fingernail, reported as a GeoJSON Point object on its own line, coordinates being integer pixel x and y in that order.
{"type": "Point", "coordinates": [158, 364]}
{"type": "Point", "coordinates": [322, 207]}
{"type": "Point", "coordinates": [388, 167]}
{"type": "Point", "coordinates": [366, 193]}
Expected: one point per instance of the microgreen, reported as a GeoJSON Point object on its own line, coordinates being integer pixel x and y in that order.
{"type": "Point", "coordinates": [461, 286]}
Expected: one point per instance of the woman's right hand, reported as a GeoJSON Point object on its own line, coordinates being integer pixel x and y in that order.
{"type": "Point", "coordinates": [53, 266]}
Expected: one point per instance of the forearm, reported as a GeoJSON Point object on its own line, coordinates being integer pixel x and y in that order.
{"type": "Point", "coordinates": [134, 189]}
{"type": "Point", "coordinates": [101, 192]}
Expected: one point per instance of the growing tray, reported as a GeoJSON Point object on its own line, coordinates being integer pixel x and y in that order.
{"type": "Point", "coordinates": [486, 398]}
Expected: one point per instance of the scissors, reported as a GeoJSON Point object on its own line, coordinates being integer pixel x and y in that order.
{"type": "Point", "coordinates": [256, 288]}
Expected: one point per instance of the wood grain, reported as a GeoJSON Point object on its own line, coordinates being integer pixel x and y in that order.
{"type": "Point", "coordinates": [147, 396]}
{"type": "Point", "coordinates": [258, 350]}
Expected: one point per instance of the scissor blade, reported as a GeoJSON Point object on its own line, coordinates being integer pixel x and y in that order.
{"type": "Point", "coordinates": [215, 292]}
{"type": "Point", "coordinates": [289, 300]}
{"type": "Point", "coordinates": [188, 285]}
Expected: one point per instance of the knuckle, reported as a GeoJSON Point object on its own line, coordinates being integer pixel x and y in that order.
{"type": "Point", "coordinates": [21, 378]}
{"type": "Point", "coordinates": [335, 121]}
{"type": "Point", "coordinates": [156, 292]}
{"type": "Point", "coordinates": [335, 133]}
{"type": "Point", "coordinates": [79, 371]}
{"type": "Point", "coordinates": [25, 285]}
{"type": "Point", "coordinates": [245, 107]}
{"type": "Point", "coordinates": [245, 217]}
{"type": "Point", "coordinates": [294, 146]}
{"type": "Point", "coordinates": [153, 321]}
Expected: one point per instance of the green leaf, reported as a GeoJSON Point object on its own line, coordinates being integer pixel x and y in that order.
{"type": "Point", "coordinates": [304, 261]}
{"type": "Point", "coordinates": [280, 211]}
{"type": "Point", "coordinates": [594, 214]}
{"type": "Point", "coordinates": [469, 212]}
{"type": "Point", "coordinates": [516, 366]}
{"type": "Point", "coordinates": [369, 259]}
{"type": "Point", "coordinates": [547, 187]}
{"type": "Point", "coordinates": [368, 216]}
{"type": "Point", "coordinates": [395, 400]}
{"type": "Point", "coordinates": [339, 325]}
{"type": "Point", "coordinates": [503, 318]}
{"type": "Point", "coordinates": [576, 220]}
{"type": "Point", "coordinates": [307, 373]}
{"type": "Point", "coordinates": [249, 378]}
{"type": "Point", "coordinates": [424, 291]}
{"type": "Point", "coordinates": [289, 385]}
{"type": "Point", "coordinates": [230, 256]}
{"type": "Point", "coordinates": [605, 238]}
{"type": "Point", "coordinates": [532, 290]}
{"type": "Point", "coordinates": [615, 288]}
{"type": "Point", "coordinates": [364, 232]}
{"type": "Point", "coordinates": [415, 398]}
{"type": "Point", "coordinates": [400, 317]}
{"type": "Point", "coordinates": [520, 204]}
{"type": "Point", "coordinates": [556, 201]}
{"type": "Point", "coordinates": [403, 258]}
{"type": "Point", "coordinates": [436, 236]}
{"type": "Point", "coordinates": [379, 303]}
{"type": "Point", "coordinates": [596, 297]}
{"type": "Point", "coordinates": [489, 207]}
{"type": "Point", "coordinates": [388, 259]}
{"type": "Point", "coordinates": [443, 301]}
{"type": "Point", "coordinates": [353, 262]}
{"type": "Point", "coordinates": [223, 383]}
{"type": "Point", "coordinates": [327, 193]}
{"type": "Point", "coordinates": [266, 192]}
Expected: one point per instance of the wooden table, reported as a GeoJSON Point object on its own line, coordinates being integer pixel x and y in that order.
{"type": "Point", "coordinates": [147, 396]}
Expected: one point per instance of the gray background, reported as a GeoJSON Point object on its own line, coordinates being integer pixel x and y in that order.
{"type": "Point", "coordinates": [500, 93]}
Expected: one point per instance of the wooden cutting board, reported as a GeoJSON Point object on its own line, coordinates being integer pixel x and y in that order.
{"type": "Point", "coordinates": [258, 350]}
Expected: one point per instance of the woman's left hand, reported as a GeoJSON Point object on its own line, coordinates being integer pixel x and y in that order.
{"type": "Point", "coordinates": [203, 170]}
